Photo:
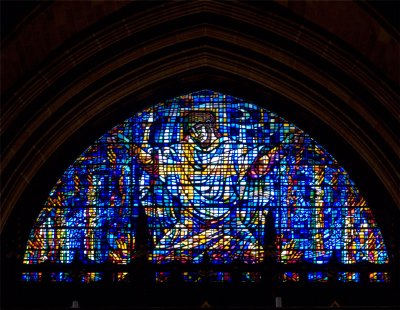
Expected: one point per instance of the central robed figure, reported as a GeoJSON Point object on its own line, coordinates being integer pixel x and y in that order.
{"type": "Point", "coordinates": [206, 176]}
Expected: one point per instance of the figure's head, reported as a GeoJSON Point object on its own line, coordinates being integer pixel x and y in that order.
{"type": "Point", "coordinates": [201, 127]}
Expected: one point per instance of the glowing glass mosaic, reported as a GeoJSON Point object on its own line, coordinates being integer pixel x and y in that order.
{"type": "Point", "coordinates": [205, 170]}
{"type": "Point", "coordinates": [318, 276]}
{"type": "Point", "coordinates": [379, 277]}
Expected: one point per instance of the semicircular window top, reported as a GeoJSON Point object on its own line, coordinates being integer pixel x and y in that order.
{"type": "Point", "coordinates": [206, 178]}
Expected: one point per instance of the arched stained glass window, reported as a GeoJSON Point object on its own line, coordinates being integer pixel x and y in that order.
{"type": "Point", "coordinates": [214, 179]}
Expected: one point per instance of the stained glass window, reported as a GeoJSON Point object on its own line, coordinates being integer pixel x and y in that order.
{"type": "Point", "coordinates": [205, 171]}
{"type": "Point", "coordinates": [379, 277]}
{"type": "Point", "coordinates": [318, 276]}
{"type": "Point", "coordinates": [349, 276]}
{"type": "Point", "coordinates": [32, 276]}
{"type": "Point", "coordinates": [290, 276]}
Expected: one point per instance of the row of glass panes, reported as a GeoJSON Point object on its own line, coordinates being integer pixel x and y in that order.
{"type": "Point", "coordinates": [193, 277]}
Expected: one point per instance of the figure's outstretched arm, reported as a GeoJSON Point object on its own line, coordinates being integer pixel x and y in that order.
{"type": "Point", "coordinates": [268, 158]}
{"type": "Point", "coordinates": [143, 153]}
